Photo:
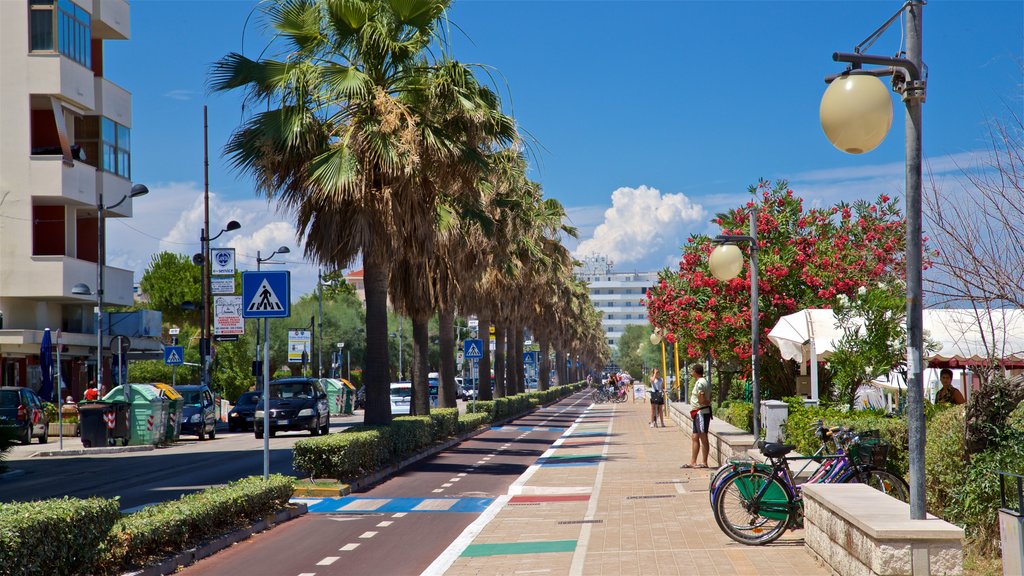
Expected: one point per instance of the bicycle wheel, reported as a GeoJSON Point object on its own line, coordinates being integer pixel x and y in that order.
{"type": "Point", "coordinates": [883, 481]}
{"type": "Point", "coordinates": [752, 507]}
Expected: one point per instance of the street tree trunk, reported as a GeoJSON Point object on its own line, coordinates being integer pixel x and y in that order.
{"type": "Point", "coordinates": [544, 366]}
{"type": "Point", "coordinates": [511, 366]}
{"type": "Point", "coordinates": [484, 371]}
{"type": "Point", "coordinates": [376, 370]}
{"type": "Point", "coordinates": [518, 358]}
{"type": "Point", "coordinates": [448, 393]}
{"type": "Point", "coordinates": [420, 367]}
{"type": "Point", "coordinates": [499, 361]}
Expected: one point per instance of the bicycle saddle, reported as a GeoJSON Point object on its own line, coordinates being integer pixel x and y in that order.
{"type": "Point", "coordinates": [774, 449]}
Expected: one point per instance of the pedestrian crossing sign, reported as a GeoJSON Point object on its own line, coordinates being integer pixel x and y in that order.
{"type": "Point", "coordinates": [174, 355]}
{"type": "Point", "coordinates": [473, 349]}
{"type": "Point", "coordinates": [266, 294]}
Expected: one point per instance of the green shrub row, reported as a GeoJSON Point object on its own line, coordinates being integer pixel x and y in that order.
{"type": "Point", "coordinates": [170, 527]}
{"type": "Point", "coordinates": [56, 536]}
{"type": "Point", "coordinates": [739, 414]}
{"type": "Point", "coordinates": [362, 450]}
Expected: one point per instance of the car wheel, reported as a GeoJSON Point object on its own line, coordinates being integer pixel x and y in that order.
{"type": "Point", "coordinates": [46, 435]}
{"type": "Point", "coordinates": [232, 428]}
{"type": "Point", "coordinates": [26, 438]}
{"type": "Point", "coordinates": [259, 434]}
{"type": "Point", "coordinates": [325, 429]}
{"type": "Point", "coordinates": [273, 432]}
{"type": "Point", "coordinates": [213, 432]}
{"type": "Point", "coordinates": [202, 433]}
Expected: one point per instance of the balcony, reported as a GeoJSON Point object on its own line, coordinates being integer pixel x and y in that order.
{"type": "Point", "coordinates": [111, 19]}
{"type": "Point", "coordinates": [50, 177]}
{"type": "Point", "coordinates": [51, 278]}
{"type": "Point", "coordinates": [55, 74]}
{"type": "Point", "coordinates": [113, 102]}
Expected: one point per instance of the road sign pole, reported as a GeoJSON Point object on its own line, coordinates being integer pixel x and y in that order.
{"type": "Point", "coordinates": [174, 375]}
{"type": "Point", "coordinates": [266, 398]}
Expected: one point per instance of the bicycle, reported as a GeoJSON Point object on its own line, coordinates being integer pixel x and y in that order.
{"type": "Point", "coordinates": [755, 503]}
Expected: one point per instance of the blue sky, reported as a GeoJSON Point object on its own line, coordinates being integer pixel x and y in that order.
{"type": "Point", "coordinates": [647, 118]}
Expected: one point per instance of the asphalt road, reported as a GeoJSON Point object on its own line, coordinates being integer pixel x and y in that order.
{"type": "Point", "coordinates": [141, 478]}
{"type": "Point", "coordinates": [400, 526]}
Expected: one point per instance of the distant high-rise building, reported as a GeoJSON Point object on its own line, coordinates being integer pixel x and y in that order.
{"type": "Point", "coordinates": [65, 144]}
{"type": "Point", "coordinates": [616, 295]}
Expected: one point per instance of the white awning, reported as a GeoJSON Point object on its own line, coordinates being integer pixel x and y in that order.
{"type": "Point", "coordinates": [963, 335]}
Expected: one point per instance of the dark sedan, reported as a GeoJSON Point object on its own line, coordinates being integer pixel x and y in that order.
{"type": "Point", "coordinates": [296, 404]}
{"type": "Point", "coordinates": [243, 412]}
{"type": "Point", "coordinates": [22, 410]}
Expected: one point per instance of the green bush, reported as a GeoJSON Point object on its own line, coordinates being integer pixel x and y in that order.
{"type": "Point", "coordinates": [356, 452]}
{"type": "Point", "coordinates": [409, 434]}
{"type": "Point", "coordinates": [470, 422]}
{"type": "Point", "coordinates": [56, 536]}
{"type": "Point", "coordinates": [481, 406]}
{"type": "Point", "coordinates": [173, 526]}
{"type": "Point", "coordinates": [739, 414]}
{"type": "Point", "coordinates": [945, 456]}
{"type": "Point", "coordinates": [445, 422]}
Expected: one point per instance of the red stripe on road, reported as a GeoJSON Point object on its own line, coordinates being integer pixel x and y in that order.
{"type": "Point", "coordinates": [569, 498]}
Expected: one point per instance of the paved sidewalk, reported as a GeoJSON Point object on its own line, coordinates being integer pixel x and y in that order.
{"type": "Point", "coordinates": [611, 499]}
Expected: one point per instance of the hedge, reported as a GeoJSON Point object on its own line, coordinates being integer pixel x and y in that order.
{"type": "Point", "coordinates": [55, 536]}
{"type": "Point", "coordinates": [362, 450]}
{"type": "Point", "coordinates": [739, 414]}
{"type": "Point", "coordinates": [173, 526]}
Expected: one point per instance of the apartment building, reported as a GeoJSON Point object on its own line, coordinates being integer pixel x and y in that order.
{"type": "Point", "coordinates": [616, 295]}
{"type": "Point", "coordinates": [65, 148]}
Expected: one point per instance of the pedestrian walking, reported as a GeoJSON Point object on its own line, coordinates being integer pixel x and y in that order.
{"type": "Point", "coordinates": [657, 399]}
{"type": "Point", "coordinates": [700, 404]}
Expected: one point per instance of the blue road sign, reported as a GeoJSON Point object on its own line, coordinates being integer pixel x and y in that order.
{"type": "Point", "coordinates": [174, 355]}
{"type": "Point", "coordinates": [473, 349]}
{"type": "Point", "coordinates": [266, 294]}
{"type": "Point", "coordinates": [530, 357]}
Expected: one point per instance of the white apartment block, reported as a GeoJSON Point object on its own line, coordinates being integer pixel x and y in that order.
{"type": "Point", "coordinates": [65, 135]}
{"type": "Point", "coordinates": [616, 295]}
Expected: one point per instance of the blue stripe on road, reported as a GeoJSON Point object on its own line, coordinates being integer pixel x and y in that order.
{"type": "Point", "coordinates": [527, 429]}
{"type": "Point", "coordinates": [391, 505]}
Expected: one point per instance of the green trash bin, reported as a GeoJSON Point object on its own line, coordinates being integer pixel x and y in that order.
{"type": "Point", "coordinates": [335, 401]}
{"type": "Point", "coordinates": [148, 413]}
{"type": "Point", "coordinates": [350, 396]}
{"type": "Point", "coordinates": [174, 408]}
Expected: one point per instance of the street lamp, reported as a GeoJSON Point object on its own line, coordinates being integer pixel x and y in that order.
{"type": "Point", "coordinates": [726, 262]}
{"type": "Point", "coordinates": [320, 283]}
{"type": "Point", "coordinates": [204, 342]}
{"type": "Point", "coordinates": [259, 262]}
{"type": "Point", "coordinates": [101, 261]}
{"type": "Point", "coordinates": [854, 97]}
{"type": "Point", "coordinates": [400, 322]}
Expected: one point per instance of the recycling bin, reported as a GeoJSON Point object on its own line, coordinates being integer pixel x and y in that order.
{"type": "Point", "coordinates": [93, 425]}
{"type": "Point", "coordinates": [335, 402]}
{"type": "Point", "coordinates": [174, 409]}
{"type": "Point", "coordinates": [148, 413]}
{"type": "Point", "coordinates": [350, 396]}
{"type": "Point", "coordinates": [122, 429]}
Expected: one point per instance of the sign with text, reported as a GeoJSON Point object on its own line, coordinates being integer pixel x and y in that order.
{"type": "Point", "coordinates": [222, 285]}
{"type": "Point", "coordinates": [298, 342]}
{"type": "Point", "coordinates": [227, 316]}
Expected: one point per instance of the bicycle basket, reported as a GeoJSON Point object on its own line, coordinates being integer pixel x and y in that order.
{"type": "Point", "coordinates": [870, 453]}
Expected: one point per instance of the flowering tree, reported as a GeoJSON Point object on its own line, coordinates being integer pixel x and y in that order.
{"type": "Point", "coordinates": [807, 258]}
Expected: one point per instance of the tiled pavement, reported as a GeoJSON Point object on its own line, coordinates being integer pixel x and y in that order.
{"type": "Point", "coordinates": [610, 499]}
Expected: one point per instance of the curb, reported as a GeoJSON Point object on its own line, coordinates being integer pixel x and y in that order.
{"type": "Point", "coordinates": [188, 557]}
{"type": "Point", "coordinates": [86, 451]}
{"type": "Point", "coordinates": [12, 474]}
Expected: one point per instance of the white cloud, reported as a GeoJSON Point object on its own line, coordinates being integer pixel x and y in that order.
{"type": "Point", "coordinates": [180, 94]}
{"type": "Point", "coordinates": [643, 228]}
{"type": "Point", "coordinates": [170, 218]}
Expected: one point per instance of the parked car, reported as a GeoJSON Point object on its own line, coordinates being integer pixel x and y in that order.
{"type": "Point", "coordinates": [199, 412]}
{"type": "Point", "coordinates": [243, 412]}
{"type": "Point", "coordinates": [295, 404]}
{"type": "Point", "coordinates": [401, 398]}
{"type": "Point", "coordinates": [22, 409]}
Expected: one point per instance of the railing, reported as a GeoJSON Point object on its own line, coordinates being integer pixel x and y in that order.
{"type": "Point", "coordinates": [1005, 477]}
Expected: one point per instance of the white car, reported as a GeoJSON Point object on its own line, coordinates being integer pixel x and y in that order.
{"type": "Point", "coordinates": [401, 398]}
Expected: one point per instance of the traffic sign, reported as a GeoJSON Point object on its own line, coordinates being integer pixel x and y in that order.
{"type": "Point", "coordinates": [266, 294]}
{"type": "Point", "coordinates": [174, 355]}
{"type": "Point", "coordinates": [530, 357]}
{"type": "Point", "coordinates": [473, 349]}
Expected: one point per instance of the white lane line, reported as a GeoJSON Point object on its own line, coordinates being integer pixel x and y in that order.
{"type": "Point", "coordinates": [454, 479]}
{"type": "Point", "coordinates": [308, 574]}
{"type": "Point", "coordinates": [485, 458]}
{"type": "Point", "coordinates": [385, 524]}
{"type": "Point", "coordinates": [580, 553]}
{"type": "Point", "coordinates": [446, 485]}
{"type": "Point", "coordinates": [441, 564]}
{"type": "Point", "coordinates": [461, 474]}
{"type": "Point", "coordinates": [328, 561]}
{"type": "Point", "coordinates": [349, 547]}
{"type": "Point", "coordinates": [438, 490]}
{"type": "Point", "coordinates": [367, 534]}
{"type": "Point", "coordinates": [398, 514]}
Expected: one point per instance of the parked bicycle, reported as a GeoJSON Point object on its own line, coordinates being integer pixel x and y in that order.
{"type": "Point", "coordinates": [756, 503]}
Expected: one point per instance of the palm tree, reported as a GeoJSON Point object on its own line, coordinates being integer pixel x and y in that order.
{"type": "Point", "coordinates": [347, 118]}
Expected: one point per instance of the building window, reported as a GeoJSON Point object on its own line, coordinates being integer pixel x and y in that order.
{"type": "Point", "coordinates": [107, 144]}
{"type": "Point", "coordinates": [64, 23]}
{"type": "Point", "coordinates": [611, 342]}
{"type": "Point", "coordinates": [611, 316]}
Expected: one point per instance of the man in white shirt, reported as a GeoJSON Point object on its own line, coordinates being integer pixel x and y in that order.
{"type": "Point", "coordinates": [700, 404]}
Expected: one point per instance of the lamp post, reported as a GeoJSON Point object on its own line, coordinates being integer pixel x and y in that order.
{"type": "Point", "coordinates": [259, 264]}
{"type": "Point", "coordinates": [726, 262]}
{"type": "Point", "coordinates": [856, 113]}
{"type": "Point", "coordinates": [399, 334]}
{"type": "Point", "coordinates": [204, 341]}
{"type": "Point", "coordinates": [320, 283]}
{"type": "Point", "coordinates": [101, 258]}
